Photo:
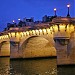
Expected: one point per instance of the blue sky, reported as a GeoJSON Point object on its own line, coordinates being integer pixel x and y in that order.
{"type": "Point", "coordinates": [14, 9]}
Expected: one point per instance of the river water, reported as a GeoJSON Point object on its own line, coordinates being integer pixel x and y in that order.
{"type": "Point", "coordinates": [45, 66]}
{"type": "Point", "coordinates": [5, 66]}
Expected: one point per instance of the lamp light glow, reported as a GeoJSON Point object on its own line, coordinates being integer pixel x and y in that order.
{"type": "Point", "coordinates": [68, 5]}
{"type": "Point", "coordinates": [13, 21]}
{"type": "Point", "coordinates": [55, 9]}
{"type": "Point", "coordinates": [19, 19]}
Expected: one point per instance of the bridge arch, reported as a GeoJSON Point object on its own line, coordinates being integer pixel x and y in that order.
{"type": "Point", "coordinates": [37, 46]}
{"type": "Point", "coordinates": [5, 48]}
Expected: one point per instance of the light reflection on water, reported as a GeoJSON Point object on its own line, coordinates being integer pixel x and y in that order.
{"type": "Point", "coordinates": [5, 66]}
{"type": "Point", "coordinates": [66, 70]}
{"type": "Point", "coordinates": [33, 67]}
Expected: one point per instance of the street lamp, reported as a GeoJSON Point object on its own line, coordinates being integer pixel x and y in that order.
{"type": "Point", "coordinates": [19, 19]}
{"type": "Point", "coordinates": [68, 6]}
{"type": "Point", "coordinates": [13, 21]}
{"type": "Point", "coordinates": [55, 11]}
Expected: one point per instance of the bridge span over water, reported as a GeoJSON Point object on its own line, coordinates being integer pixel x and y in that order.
{"type": "Point", "coordinates": [45, 40]}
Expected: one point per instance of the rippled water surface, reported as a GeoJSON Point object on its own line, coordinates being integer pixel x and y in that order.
{"type": "Point", "coordinates": [66, 70]}
{"type": "Point", "coordinates": [5, 66]}
{"type": "Point", "coordinates": [34, 67]}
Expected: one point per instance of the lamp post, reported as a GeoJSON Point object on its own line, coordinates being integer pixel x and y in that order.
{"type": "Point", "coordinates": [14, 24]}
{"type": "Point", "coordinates": [68, 6]}
{"type": "Point", "coordinates": [55, 12]}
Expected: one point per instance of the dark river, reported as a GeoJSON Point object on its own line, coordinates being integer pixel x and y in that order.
{"type": "Point", "coordinates": [5, 66]}
{"type": "Point", "coordinates": [46, 66]}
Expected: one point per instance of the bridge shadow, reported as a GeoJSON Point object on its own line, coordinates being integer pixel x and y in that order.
{"type": "Point", "coordinates": [42, 66]}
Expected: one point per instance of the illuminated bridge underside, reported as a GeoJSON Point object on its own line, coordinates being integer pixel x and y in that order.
{"type": "Point", "coordinates": [38, 47]}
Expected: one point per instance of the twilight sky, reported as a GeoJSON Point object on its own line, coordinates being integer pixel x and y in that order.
{"type": "Point", "coordinates": [14, 9]}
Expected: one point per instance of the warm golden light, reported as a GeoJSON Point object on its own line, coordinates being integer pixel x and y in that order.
{"type": "Point", "coordinates": [36, 31]}
{"type": "Point", "coordinates": [44, 30]}
{"type": "Point", "coordinates": [48, 30]}
{"type": "Point", "coordinates": [71, 28]}
{"type": "Point", "coordinates": [13, 34]}
{"type": "Point", "coordinates": [51, 29]}
{"type": "Point", "coordinates": [55, 28]}
{"type": "Point", "coordinates": [27, 32]}
{"type": "Point", "coordinates": [33, 31]}
{"type": "Point", "coordinates": [9, 34]}
{"type": "Point", "coordinates": [30, 32]}
{"type": "Point", "coordinates": [68, 5]}
{"type": "Point", "coordinates": [21, 33]}
{"type": "Point", "coordinates": [40, 30]}
{"type": "Point", "coordinates": [0, 37]}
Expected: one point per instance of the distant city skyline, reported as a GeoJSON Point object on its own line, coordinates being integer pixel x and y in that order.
{"type": "Point", "coordinates": [13, 9]}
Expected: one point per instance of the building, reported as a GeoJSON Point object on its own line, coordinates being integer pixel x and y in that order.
{"type": "Point", "coordinates": [47, 18]}
{"type": "Point", "coordinates": [29, 21]}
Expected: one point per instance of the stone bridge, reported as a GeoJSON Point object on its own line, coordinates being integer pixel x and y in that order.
{"type": "Point", "coordinates": [56, 40]}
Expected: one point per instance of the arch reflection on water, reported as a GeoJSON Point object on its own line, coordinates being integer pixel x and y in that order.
{"type": "Point", "coordinates": [34, 67]}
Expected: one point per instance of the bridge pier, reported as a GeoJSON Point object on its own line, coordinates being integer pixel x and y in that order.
{"type": "Point", "coordinates": [62, 51]}
{"type": "Point", "coordinates": [72, 47]}
{"type": "Point", "coordinates": [14, 49]}
{"type": "Point", "coordinates": [65, 49]}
